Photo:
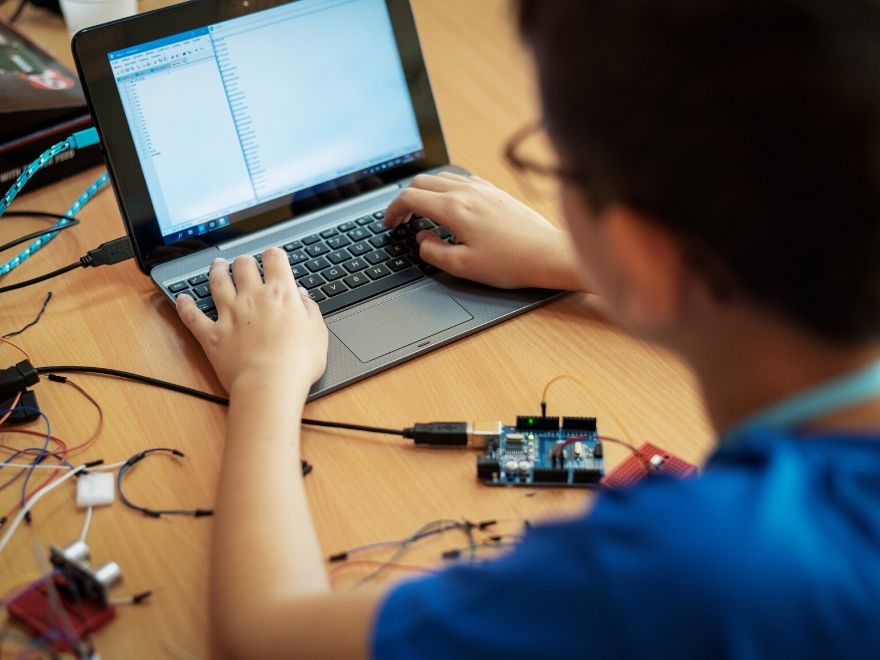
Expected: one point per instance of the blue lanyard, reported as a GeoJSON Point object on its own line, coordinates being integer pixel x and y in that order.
{"type": "Point", "coordinates": [849, 390]}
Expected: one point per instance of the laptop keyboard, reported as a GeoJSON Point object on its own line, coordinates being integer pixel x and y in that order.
{"type": "Point", "coordinates": [344, 265]}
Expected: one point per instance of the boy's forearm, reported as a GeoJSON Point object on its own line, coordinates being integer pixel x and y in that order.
{"type": "Point", "coordinates": [265, 548]}
{"type": "Point", "coordinates": [558, 267]}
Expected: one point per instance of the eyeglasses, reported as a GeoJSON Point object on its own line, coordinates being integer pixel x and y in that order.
{"type": "Point", "coordinates": [530, 154]}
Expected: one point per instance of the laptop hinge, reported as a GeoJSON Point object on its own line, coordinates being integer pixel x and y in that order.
{"type": "Point", "coordinates": [360, 199]}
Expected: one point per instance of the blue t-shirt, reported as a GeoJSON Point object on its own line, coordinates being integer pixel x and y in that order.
{"type": "Point", "coordinates": [773, 552]}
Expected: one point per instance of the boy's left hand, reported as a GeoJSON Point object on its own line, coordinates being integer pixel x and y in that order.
{"type": "Point", "coordinates": [263, 330]}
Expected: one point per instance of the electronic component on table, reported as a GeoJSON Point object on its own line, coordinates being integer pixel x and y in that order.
{"type": "Point", "coordinates": [77, 589]}
{"type": "Point", "coordinates": [650, 459]}
{"type": "Point", "coordinates": [544, 451]}
{"type": "Point", "coordinates": [25, 411]}
{"type": "Point", "coordinates": [95, 489]}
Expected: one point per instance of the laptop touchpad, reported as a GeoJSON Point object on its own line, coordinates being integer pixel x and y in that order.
{"type": "Point", "coordinates": [399, 322]}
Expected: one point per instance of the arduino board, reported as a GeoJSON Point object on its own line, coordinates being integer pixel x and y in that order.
{"type": "Point", "coordinates": [544, 451]}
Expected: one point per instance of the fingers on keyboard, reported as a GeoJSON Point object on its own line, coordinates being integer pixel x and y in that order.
{"type": "Point", "coordinates": [339, 266]}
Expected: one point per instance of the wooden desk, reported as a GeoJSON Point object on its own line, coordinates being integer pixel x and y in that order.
{"type": "Point", "coordinates": [363, 488]}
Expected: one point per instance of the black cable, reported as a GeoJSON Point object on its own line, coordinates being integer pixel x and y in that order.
{"type": "Point", "coordinates": [43, 278]}
{"type": "Point", "coordinates": [34, 322]}
{"type": "Point", "coordinates": [71, 222]}
{"type": "Point", "coordinates": [26, 213]}
{"type": "Point", "coordinates": [198, 394]}
{"type": "Point", "coordinates": [18, 10]}
{"type": "Point", "coordinates": [138, 378]}
{"type": "Point", "coordinates": [154, 513]}
{"type": "Point", "coordinates": [352, 427]}
{"type": "Point", "coordinates": [106, 254]}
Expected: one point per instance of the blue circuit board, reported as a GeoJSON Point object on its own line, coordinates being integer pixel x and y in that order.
{"type": "Point", "coordinates": [541, 451]}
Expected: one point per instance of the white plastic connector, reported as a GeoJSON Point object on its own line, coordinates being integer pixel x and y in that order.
{"type": "Point", "coordinates": [95, 489]}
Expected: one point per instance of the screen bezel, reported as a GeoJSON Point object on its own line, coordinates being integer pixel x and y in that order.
{"type": "Point", "coordinates": [90, 49]}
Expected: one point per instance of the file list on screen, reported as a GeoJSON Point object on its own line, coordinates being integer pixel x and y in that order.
{"type": "Point", "coordinates": [242, 112]}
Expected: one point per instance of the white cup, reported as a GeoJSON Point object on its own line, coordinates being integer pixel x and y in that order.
{"type": "Point", "coordinates": [79, 14]}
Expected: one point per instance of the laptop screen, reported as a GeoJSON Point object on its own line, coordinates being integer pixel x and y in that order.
{"type": "Point", "coordinates": [234, 115]}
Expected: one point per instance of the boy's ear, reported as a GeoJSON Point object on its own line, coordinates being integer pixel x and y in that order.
{"type": "Point", "coordinates": [650, 270]}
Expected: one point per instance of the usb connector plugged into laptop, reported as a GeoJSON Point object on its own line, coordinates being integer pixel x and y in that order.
{"type": "Point", "coordinates": [109, 253]}
{"type": "Point", "coordinates": [106, 254]}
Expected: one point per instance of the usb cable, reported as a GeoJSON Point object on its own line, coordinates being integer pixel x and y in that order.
{"type": "Point", "coordinates": [106, 254]}
{"type": "Point", "coordinates": [79, 140]}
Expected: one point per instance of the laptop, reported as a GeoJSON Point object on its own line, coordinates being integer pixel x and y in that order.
{"type": "Point", "coordinates": [230, 126]}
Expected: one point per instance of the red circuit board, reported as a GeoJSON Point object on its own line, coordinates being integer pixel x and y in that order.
{"type": "Point", "coordinates": [39, 613]}
{"type": "Point", "coordinates": [633, 469]}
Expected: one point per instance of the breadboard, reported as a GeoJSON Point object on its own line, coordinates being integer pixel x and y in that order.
{"type": "Point", "coordinates": [633, 469]}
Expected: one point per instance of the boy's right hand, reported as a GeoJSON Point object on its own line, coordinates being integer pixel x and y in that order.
{"type": "Point", "coordinates": [267, 331]}
{"type": "Point", "coordinates": [498, 240]}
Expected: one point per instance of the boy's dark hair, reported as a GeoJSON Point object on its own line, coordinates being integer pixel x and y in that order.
{"type": "Point", "coordinates": [748, 128]}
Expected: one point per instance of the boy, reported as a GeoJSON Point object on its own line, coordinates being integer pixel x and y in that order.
{"type": "Point", "coordinates": [709, 153]}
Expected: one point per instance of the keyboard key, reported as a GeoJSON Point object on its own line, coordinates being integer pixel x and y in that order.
{"type": "Point", "coordinates": [367, 219]}
{"type": "Point", "coordinates": [379, 215]}
{"type": "Point", "coordinates": [298, 271]}
{"type": "Point", "coordinates": [442, 232]}
{"type": "Point", "coordinates": [369, 290]}
{"type": "Point", "coordinates": [339, 256]}
{"type": "Point", "coordinates": [357, 249]}
{"type": "Point", "coordinates": [202, 290]}
{"type": "Point", "coordinates": [378, 227]}
{"type": "Point", "coordinates": [327, 233]}
{"type": "Point", "coordinates": [428, 269]}
{"type": "Point", "coordinates": [195, 280]}
{"type": "Point", "coordinates": [293, 245]}
{"type": "Point", "coordinates": [359, 234]}
{"type": "Point", "coordinates": [183, 293]}
{"type": "Point", "coordinates": [334, 288]}
{"type": "Point", "coordinates": [337, 242]}
{"type": "Point", "coordinates": [177, 287]}
{"type": "Point", "coordinates": [334, 273]}
{"type": "Point", "coordinates": [420, 224]}
{"type": "Point", "coordinates": [355, 265]}
{"type": "Point", "coordinates": [211, 314]}
{"type": "Point", "coordinates": [346, 226]}
{"type": "Point", "coordinates": [206, 304]}
{"type": "Point", "coordinates": [311, 281]}
{"type": "Point", "coordinates": [377, 271]}
{"type": "Point", "coordinates": [308, 240]}
{"type": "Point", "coordinates": [356, 280]}
{"type": "Point", "coordinates": [380, 241]}
{"type": "Point", "coordinates": [316, 295]}
{"type": "Point", "coordinates": [317, 249]}
{"type": "Point", "coordinates": [376, 257]}
{"type": "Point", "coordinates": [399, 233]}
{"type": "Point", "coordinates": [398, 264]}
{"type": "Point", "coordinates": [396, 250]}
{"type": "Point", "coordinates": [259, 258]}
{"type": "Point", "coordinates": [317, 264]}
{"type": "Point", "coordinates": [297, 257]}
